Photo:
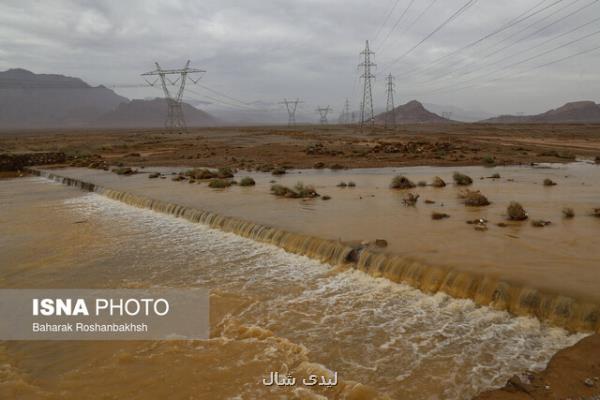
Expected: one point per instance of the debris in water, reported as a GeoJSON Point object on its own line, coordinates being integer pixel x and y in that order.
{"type": "Point", "coordinates": [439, 215]}
{"type": "Point", "coordinates": [351, 184]}
{"type": "Point", "coordinates": [540, 223]}
{"type": "Point", "coordinates": [421, 183]}
{"type": "Point", "coordinates": [568, 213]}
{"type": "Point", "coordinates": [381, 243]}
{"type": "Point", "coordinates": [427, 201]}
{"type": "Point", "coordinates": [342, 184]}
{"type": "Point", "coordinates": [326, 197]}
{"type": "Point", "coordinates": [154, 175]}
{"type": "Point", "coordinates": [410, 199]}
{"type": "Point", "coordinates": [549, 182]}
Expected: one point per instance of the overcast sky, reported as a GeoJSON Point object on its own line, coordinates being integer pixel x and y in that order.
{"type": "Point", "coordinates": [265, 50]}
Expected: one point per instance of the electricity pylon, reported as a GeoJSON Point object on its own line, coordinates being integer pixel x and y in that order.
{"type": "Point", "coordinates": [346, 114]}
{"type": "Point", "coordinates": [175, 119]}
{"type": "Point", "coordinates": [390, 113]}
{"type": "Point", "coordinates": [291, 106]}
{"type": "Point", "coordinates": [323, 111]}
{"type": "Point", "coordinates": [366, 110]}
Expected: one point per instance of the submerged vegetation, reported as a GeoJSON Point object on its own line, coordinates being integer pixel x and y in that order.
{"type": "Point", "coordinates": [124, 171]}
{"type": "Point", "coordinates": [516, 212]}
{"type": "Point", "coordinates": [220, 183]}
{"type": "Point", "coordinates": [300, 191]}
{"type": "Point", "coordinates": [439, 215]}
{"type": "Point", "coordinates": [205, 173]}
{"type": "Point", "coordinates": [474, 198]}
{"type": "Point", "coordinates": [410, 199]}
{"type": "Point", "coordinates": [401, 182]}
{"type": "Point", "coordinates": [462, 179]}
{"type": "Point", "coordinates": [568, 213]}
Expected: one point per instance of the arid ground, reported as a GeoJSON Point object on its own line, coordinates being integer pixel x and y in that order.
{"type": "Point", "coordinates": [305, 147]}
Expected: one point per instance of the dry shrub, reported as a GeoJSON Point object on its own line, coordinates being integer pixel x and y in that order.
{"type": "Point", "coordinates": [516, 212]}
{"type": "Point", "coordinates": [401, 182]}
{"type": "Point", "coordinates": [438, 182]}
{"type": "Point", "coordinates": [247, 181]}
{"type": "Point", "coordinates": [462, 179]}
{"type": "Point", "coordinates": [474, 199]}
{"type": "Point", "coordinates": [568, 212]}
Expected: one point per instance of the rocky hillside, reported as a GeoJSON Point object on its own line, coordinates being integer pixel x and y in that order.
{"type": "Point", "coordinates": [412, 112]}
{"type": "Point", "coordinates": [576, 112]}
{"type": "Point", "coordinates": [29, 100]}
{"type": "Point", "coordinates": [150, 114]}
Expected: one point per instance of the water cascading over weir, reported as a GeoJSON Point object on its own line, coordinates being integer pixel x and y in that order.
{"type": "Point", "coordinates": [520, 300]}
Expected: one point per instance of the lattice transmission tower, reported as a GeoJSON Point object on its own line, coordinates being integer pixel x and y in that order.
{"type": "Point", "coordinates": [291, 106]}
{"type": "Point", "coordinates": [323, 111]}
{"type": "Point", "coordinates": [346, 114]}
{"type": "Point", "coordinates": [175, 119]}
{"type": "Point", "coordinates": [390, 113]}
{"type": "Point", "coordinates": [366, 110]}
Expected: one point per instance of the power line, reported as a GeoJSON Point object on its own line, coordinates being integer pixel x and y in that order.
{"type": "Point", "coordinates": [520, 73]}
{"type": "Point", "coordinates": [532, 58]}
{"type": "Point", "coordinates": [418, 18]}
{"type": "Point", "coordinates": [445, 75]}
{"type": "Point", "coordinates": [380, 46]}
{"type": "Point", "coordinates": [517, 20]}
{"type": "Point", "coordinates": [456, 14]}
{"type": "Point", "coordinates": [533, 23]}
{"type": "Point", "coordinates": [389, 14]}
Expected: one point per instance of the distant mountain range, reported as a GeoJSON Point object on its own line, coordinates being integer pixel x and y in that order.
{"type": "Point", "coordinates": [32, 101]}
{"type": "Point", "coordinates": [150, 114]}
{"type": "Point", "coordinates": [575, 112]}
{"type": "Point", "coordinates": [457, 113]}
{"type": "Point", "coordinates": [412, 112]}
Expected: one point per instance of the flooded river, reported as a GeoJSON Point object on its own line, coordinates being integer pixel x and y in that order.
{"type": "Point", "coordinates": [270, 310]}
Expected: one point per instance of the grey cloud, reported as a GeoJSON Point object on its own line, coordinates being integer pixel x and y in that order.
{"type": "Point", "coordinates": [268, 49]}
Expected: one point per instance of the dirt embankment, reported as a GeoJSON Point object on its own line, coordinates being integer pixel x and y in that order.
{"type": "Point", "coordinates": [312, 146]}
{"type": "Point", "coordinates": [573, 373]}
{"type": "Point", "coordinates": [14, 162]}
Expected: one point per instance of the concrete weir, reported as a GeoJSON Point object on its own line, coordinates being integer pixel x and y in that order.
{"type": "Point", "coordinates": [553, 308]}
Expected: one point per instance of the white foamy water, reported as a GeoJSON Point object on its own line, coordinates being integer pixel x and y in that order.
{"type": "Point", "coordinates": [392, 337]}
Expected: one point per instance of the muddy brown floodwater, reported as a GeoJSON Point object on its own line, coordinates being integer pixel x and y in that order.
{"type": "Point", "coordinates": [275, 311]}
